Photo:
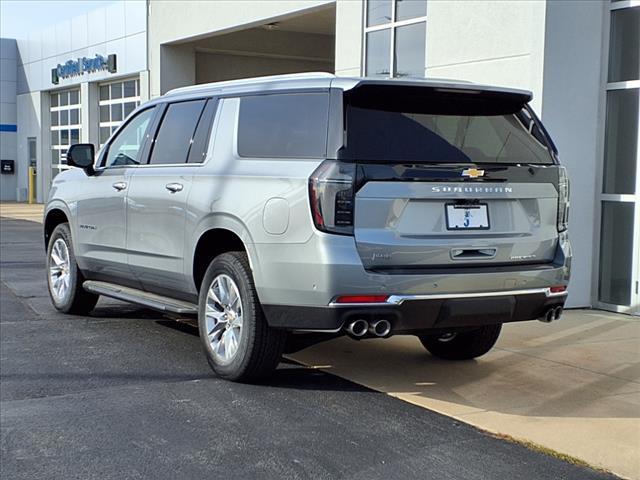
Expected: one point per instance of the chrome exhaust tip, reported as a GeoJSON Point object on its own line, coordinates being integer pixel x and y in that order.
{"type": "Point", "coordinates": [548, 317]}
{"type": "Point", "coordinates": [557, 313]}
{"type": "Point", "coordinates": [380, 328]}
{"type": "Point", "coordinates": [357, 328]}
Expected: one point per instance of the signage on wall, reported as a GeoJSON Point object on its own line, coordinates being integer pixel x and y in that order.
{"type": "Point", "coordinates": [76, 68]}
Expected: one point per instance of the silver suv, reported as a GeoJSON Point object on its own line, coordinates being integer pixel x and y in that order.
{"type": "Point", "coordinates": [283, 211]}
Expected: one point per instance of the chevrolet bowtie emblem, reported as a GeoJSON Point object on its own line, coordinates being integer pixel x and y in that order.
{"type": "Point", "coordinates": [472, 173]}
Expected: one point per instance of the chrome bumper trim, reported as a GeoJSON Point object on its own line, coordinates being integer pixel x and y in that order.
{"type": "Point", "coordinates": [399, 299]}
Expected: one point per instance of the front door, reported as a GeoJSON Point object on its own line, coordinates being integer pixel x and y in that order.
{"type": "Point", "coordinates": [102, 206]}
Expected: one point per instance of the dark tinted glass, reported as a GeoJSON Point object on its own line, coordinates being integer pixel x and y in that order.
{"type": "Point", "coordinates": [621, 141]}
{"type": "Point", "coordinates": [426, 138]}
{"type": "Point", "coordinates": [290, 125]}
{"type": "Point", "coordinates": [128, 108]}
{"type": "Point", "coordinates": [54, 119]}
{"type": "Point", "coordinates": [104, 113]}
{"type": "Point", "coordinates": [104, 92]}
{"type": "Point", "coordinates": [74, 97]}
{"type": "Point", "coordinates": [54, 99]}
{"type": "Point", "coordinates": [198, 151]}
{"type": "Point", "coordinates": [624, 46]}
{"type": "Point", "coordinates": [129, 88]}
{"type": "Point", "coordinates": [74, 116]}
{"type": "Point", "coordinates": [616, 253]}
{"type": "Point", "coordinates": [64, 117]}
{"type": "Point", "coordinates": [116, 90]}
{"type": "Point", "coordinates": [176, 131]}
{"type": "Point", "coordinates": [116, 112]}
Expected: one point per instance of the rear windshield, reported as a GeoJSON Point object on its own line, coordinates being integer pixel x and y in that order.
{"type": "Point", "coordinates": [403, 136]}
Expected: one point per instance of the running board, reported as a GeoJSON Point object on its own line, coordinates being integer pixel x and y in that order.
{"type": "Point", "coordinates": [146, 299]}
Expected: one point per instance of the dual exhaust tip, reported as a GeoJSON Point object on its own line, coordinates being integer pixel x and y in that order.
{"type": "Point", "coordinates": [551, 315]}
{"type": "Point", "coordinates": [378, 328]}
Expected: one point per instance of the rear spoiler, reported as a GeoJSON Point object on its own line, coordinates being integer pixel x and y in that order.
{"type": "Point", "coordinates": [436, 98]}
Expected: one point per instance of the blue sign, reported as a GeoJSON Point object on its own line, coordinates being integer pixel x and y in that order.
{"type": "Point", "coordinates": [74, 68]}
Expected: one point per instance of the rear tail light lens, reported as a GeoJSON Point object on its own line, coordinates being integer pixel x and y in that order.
{"type": "Point", "coordinates": [332, 196]}
{"type": "Point", "coordinates": [558, 289]}
{"type": "Point", "coordinates": [563, 199]}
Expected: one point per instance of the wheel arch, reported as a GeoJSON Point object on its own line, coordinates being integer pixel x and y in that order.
{"type": "Point", "coordinates": [54, 217]}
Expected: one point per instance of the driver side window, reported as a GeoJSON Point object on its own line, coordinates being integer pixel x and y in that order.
{"type": "Point", "coordinates": [126, 148]}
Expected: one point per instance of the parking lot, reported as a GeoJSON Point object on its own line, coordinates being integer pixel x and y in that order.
{"type": "Point", "coordinates": [127, 393]}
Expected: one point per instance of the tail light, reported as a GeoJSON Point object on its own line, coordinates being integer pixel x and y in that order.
{"type": "Point", "coordinates": [332, 196]}
{"type": "Point", "coordinates": [563, 199]}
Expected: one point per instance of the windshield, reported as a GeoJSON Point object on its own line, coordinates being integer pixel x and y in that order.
{"type": "Point", "coordinates": [399, 136]}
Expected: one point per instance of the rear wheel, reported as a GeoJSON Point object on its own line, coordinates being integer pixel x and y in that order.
{"type": "Point", "coordinates": [462, 345]}
{"type": "Point", "coordinates": [237, 340]}
{"type": "Point", "coordinates": [64, 278]}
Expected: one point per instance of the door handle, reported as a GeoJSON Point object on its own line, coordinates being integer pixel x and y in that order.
{"type": "Point", "coordinates": [174, 187]}
{"type": "Point", "coordinates": [119, 186]}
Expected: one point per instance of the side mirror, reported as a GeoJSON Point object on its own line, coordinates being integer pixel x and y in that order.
{"type": "Point", "coordinates": [81, 155]}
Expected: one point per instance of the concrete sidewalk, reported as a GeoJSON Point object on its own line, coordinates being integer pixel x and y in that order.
{"type": "Point", "coordinates": [572, 386]}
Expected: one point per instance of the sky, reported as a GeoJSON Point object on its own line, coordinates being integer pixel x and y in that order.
{"type": "Point", "coordinates": [19, 17]}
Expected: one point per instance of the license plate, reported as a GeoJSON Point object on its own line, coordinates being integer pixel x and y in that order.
{"type": "Point", "coordinates": [467, 217]}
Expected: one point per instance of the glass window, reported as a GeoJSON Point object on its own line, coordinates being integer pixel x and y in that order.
{"type": "Point", "coordinates": [74, 97]}
{"type": "Point", "coordinates": [621, 141]}
{"type": "Point", "coordinates": [54, 99]}
{"type": "Point", "coordinates": [129, 107]}
{"type": "Point", "coordinates": [125, 148]}
{"type": "Point", "coordinates": [64, 98]}
{"type": "Point", "coordinates": [129, 88]}
{"type": "Point", "coordinates": [64, 137]}
{"type": "Point", "coordinates": [74, 135]}
{"type": "Point", "coordinates": [64, 117]}
{"type": "Point", "coordinates": [378, 51]}
{"type": "Point", "coordinates": [74, 116]}
{"type": "Point", "coordinates": [104, 113]}
{"type": "Point", "coordinates": [198, 151]}
{"type": "Point", "coordinates": [616, 251]}
{"type": "Point", "coordinates": [176, 132]}
{"type": "Point", "coordinates": [406, 9]}
{"type": "Point", "coordinates": [410, 50]}
{"type": "Point", "coordinates": [624, 47]}
{"type": "Point", "coordinates": [104, 134]}
{"type": "Point", "coordinates": [283, 126]}
{"type": "Point", "coordinates": [116, 112]}
{"type": "Point", "coordinates": [55, 138]}
{"type": "Point", "coordinates": [104, 92]}
{"type": "Point", "coordinates": [54, 119]}
{"type": "Point", "coordinates": [378, 12]}
{"type": "Point", "coordinates": [385, 135]}
{"type": "Point", "coordinates": [116, 90]}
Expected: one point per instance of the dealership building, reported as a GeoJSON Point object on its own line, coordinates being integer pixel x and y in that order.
{"type": "Point", "coordinates": [76, 81]}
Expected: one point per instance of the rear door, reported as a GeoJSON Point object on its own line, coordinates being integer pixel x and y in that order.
{"type": "Point", "coordinates": [448, 182]}
{"type": "Point", "coordinates": [158, 196]}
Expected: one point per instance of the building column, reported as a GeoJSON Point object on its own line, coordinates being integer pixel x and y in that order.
{"type": "Point", "coordinates": [43, 161]}
{"type": "Point", "coordinates": [144, 86]}
{"type": "Point", "coordinates": [90, 113]}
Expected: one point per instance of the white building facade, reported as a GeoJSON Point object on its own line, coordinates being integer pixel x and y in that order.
{"type": "Point", "coordinates": [581, 60]}
{"type": "Point", "coordinates": [76, 81]}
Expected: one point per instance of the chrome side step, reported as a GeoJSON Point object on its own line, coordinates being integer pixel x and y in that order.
{"type": "Point", "coordinates": [146, 299]}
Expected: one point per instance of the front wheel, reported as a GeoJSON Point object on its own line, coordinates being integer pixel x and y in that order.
{"type": "Point", "coordinates": [462, 345]}
{"type": "Point", "coordinates": [238, 342]}
{"type": "Point", "coordinates": [64, 278]}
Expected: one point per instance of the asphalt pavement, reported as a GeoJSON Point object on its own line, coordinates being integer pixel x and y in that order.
{"type": "Point", "coordinates": [127, 393]}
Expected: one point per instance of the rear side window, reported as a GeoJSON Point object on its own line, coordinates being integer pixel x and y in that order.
{"type": "Point", "coordinates": [176, 132]}
{"type": "Point", "coordinates": [292, 125]}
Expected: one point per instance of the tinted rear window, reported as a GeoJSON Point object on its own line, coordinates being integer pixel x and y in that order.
{"type": "Point", "coordinates": [176, 132]}
{"type": "Point", "coordinates": [385, 135]}
{"type": "Point", "coordinates": [292, 125]}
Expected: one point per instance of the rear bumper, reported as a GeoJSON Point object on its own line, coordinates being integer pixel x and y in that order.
{"type": "Point", "coordinates": [417, 313]}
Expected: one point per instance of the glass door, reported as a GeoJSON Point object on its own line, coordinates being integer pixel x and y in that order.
{"type": "Point", "coordinates": [619, 262]}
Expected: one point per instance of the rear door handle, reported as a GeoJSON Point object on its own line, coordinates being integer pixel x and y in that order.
{"type": "Point", "coordinates": [119, 186]}
{"type": "Point", "coordinates": [174, 187]}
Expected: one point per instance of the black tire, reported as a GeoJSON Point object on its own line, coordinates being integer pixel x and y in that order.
{"type": "Point", "coordinates": [76, 300]}
{"type": "Point", "coordinates": [464, 345]}
{"type": "Point", "coordinates": [260, 347]}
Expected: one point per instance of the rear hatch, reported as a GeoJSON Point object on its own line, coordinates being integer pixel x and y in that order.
{"type": "Point", "coordinates": [449, 178]}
